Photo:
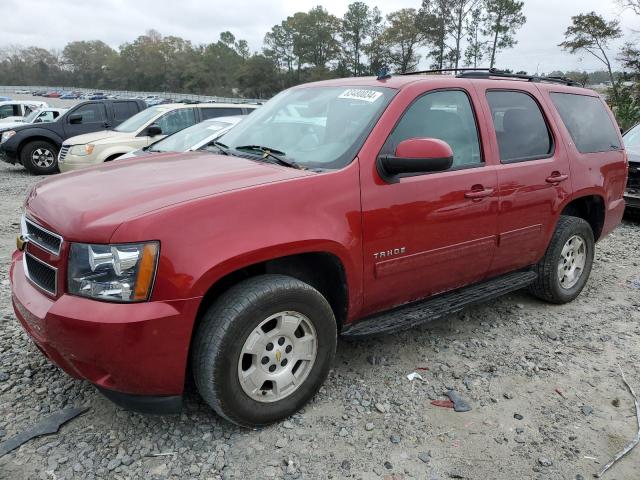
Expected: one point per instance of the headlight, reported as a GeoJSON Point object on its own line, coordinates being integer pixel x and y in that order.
{"type": "Point", "coordinates": [120, 273]}
{"type": "Point", "coordinates": [82, 150]}
{"type": "Point", "coordinates": [7, 135]}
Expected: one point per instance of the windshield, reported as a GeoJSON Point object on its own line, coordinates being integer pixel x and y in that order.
{"type": "Point", "coordinates": [32, 116]}
{"type": "Point", "coordinates": [139, 120]}
{"type": "Point", "coordinates": [189, 137]}
{"type": "Point", "coordinates": [632, 139]}
{"type": "Point", "coordinates": [316, 127]}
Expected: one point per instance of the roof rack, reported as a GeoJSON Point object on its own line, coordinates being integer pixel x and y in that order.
{"type": "Point", "coordinates": [495, 73]}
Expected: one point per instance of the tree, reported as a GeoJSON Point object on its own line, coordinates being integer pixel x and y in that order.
{"type": "Point", "coordinates": [592, 33]}
{"type": "Point", "coordinates": [258, 77]}
{"type": "Point", "coordinates": [315, 37]}
{"type": "Point", "coordinates": [461, 11]}
{"type": "Point", "coordinates": [404, 36]}
{"type": "Point", "coordinates": [87, 60]}
{"type": "Point", "coordinates": [356, 25]}
{"type": "Point", "coordinates": [433, 18]}
{"type": "Point", "coordinates": [376, 50]}
{"type": "Point", "coordinates": [634, 5]}
{"type": "Point", "coordinates": [502, 19]}
{"type": "Point", "coordinates": [476, 44]}
{"type": "Point", "coordinates": [279, 45]}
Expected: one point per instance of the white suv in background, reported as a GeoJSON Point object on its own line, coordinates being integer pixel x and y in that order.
{"type": "Point", "coordinates": [142, 129]}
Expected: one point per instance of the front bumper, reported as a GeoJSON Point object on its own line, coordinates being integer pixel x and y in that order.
{"type": "Point", "coordinates": [77, 162]}
{"type": "Point", "coordinates": [131, 350]}
{"type": "Point", "coordinates": [8, 157]}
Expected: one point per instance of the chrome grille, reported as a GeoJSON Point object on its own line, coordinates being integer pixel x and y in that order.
{"type": "Point", "coordinates": [63, 153]}
{"type": "Point", "coordinates": [42, 237]}
{"type": "Point", "coordinates": [41, 274]}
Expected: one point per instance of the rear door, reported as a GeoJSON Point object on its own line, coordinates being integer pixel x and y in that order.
{"type": "Point", "coordinates": [93, 119]}
{"type": "Point", "coordinates": [434, 232]}
{"type": "Point", "coordinates": [533, 172]}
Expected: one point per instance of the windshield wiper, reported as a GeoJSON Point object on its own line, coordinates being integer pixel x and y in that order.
{"type": "Point", "coordinates": [271, 153]}
{"type": "Point", "coordinates": [221, 147]}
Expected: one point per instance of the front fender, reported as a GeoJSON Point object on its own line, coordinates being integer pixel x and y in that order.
{"type": "Point", "coordinates": [202, 241]}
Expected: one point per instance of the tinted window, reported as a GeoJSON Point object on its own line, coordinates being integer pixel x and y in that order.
{"type": "Point", "coordinates": [6, 111]}
{"type": "Point", "coordinates": [444, 115]}
{"type": "Point", "coordinates": [176, 120]}
{"type": "Point", "coordinates": [219, 112]}
{"type": "Point", "coordinates": [520, 126]}
{"type": "Point", "coordinates": [588, 122]}
{"type": "Point", "coordinates": [124, 110]}
{"type": "Point", "coordinates": [92, 112]}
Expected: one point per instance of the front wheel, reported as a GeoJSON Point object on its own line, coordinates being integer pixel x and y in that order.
{"type": "Point", "coordinates": [263, 349]}
{"type": "Point", "coordinates": [566, 265]}
{"type": "Point", "coordinates": [40, 157]}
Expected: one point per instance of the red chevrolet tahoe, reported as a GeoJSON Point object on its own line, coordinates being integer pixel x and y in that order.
{"type": "Point", "coordinates": [353, 207]}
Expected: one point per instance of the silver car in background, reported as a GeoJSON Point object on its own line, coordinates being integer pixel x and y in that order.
{"type": "Point", "coordinates": [195, 137]}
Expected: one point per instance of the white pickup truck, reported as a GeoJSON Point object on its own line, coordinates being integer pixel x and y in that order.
{"type": "Point", "coordinates": [15, 110]}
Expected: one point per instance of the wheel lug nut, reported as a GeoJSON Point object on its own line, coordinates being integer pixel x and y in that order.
{"type": "Point", "coordinates": [265, 360]}
{"type": "Point", "coordinates": [269, 346]}
{"type": "Point", "coordinates": [283, 363]}
{"type": "Point", "coordinates": [272, 368]}
{"type": "Point", "coordinates": [288, 349]}
{"type": "Point", "coordinates": [281, 341]}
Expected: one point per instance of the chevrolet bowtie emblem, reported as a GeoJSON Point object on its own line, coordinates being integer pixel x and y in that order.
{"type": "Point", "coordinates": [278, 355]}
{"type": "Point", "coordinates": [21, 243]}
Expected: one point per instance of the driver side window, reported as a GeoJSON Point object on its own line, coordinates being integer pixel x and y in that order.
{"type": "Point", "coordinates": [445, 115]}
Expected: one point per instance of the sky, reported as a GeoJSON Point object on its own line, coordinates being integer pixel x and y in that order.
{"type": "Point", "coordinates": [53, 23]}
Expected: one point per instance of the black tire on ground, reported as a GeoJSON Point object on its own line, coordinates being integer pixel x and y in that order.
{"type": "Point", "coordinates": [40, 157]}
{"type": "Point", "coordinates": [226, 325]}
{"type": "Point", "coordinates": [548, 286]}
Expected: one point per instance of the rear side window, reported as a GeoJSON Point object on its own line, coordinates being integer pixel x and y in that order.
{"type": "Point", "coordinates": [124, 110]}
{"type": "Point", "coordinates": [219, 112]}
{"type": "Point", "coordinates": [445, 115]}
{"type": "Point", "coordinates": [588, 122]}
{"type": "Point", "coordinates": [520, 126]}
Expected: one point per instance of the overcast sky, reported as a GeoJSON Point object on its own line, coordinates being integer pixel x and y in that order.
{"type": "Point", "coordinates": [51, 24]}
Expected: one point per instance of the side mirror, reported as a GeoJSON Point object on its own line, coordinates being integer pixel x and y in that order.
{"type": "Point", "coordinates": [416, 155]}
{"type": "Point", "coordinates": [75, 119]}
{"type": "Point", "coordinates": [153, 130]}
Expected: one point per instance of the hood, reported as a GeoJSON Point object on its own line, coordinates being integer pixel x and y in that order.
{"type": "Point", "coordinates": [12, 120]}
{"type": "Point", "coordinates": [10, 125]}
{"type": "Point", "coordinates": [103, 136]}
{"type": "Point", "coordinates": [88, 205]}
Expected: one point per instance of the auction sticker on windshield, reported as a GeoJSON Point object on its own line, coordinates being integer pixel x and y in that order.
{"type": "Point", "coordinates": [358, 94]}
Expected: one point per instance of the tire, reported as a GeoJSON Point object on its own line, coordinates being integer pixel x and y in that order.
{"type": "Point", "coordinates": [549, 286]}
{"type": "Point", "coordinates": [40, 157]}
{"type": "Point", "coordinates": [223, 335]}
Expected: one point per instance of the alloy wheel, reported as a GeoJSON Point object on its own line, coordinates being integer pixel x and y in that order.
{"type": "Point", "coordinates": [277, 356]}
{"type": "Point", "coordinates": [572, 261]}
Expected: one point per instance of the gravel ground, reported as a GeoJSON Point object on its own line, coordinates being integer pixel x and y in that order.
{"type": "Point", "coordinates": [547, 398]}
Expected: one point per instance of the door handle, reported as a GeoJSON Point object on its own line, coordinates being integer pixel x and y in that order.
{"type": "Point", "coordinates": [107, 125]}
{"type": "Point", "coordinates": [478, 194]}
{"type": "Point", "coordinates": [556, 177]}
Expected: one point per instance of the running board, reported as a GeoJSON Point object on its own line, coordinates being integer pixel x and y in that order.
{"type": "Point", "coordinates": [413, 314]}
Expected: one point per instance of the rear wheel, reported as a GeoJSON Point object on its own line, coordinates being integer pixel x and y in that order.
{"type": "Point", "coordinates": [40, 157]}
{"type": "Point", "coordinates": [263, 349]}
{"type": "Point", "coordinates": [565, 268]}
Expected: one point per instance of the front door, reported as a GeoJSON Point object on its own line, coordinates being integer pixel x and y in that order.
{"type": "Point", "coordinates": [433, 232]}
{"type": "Point", "coordinates": [94, 119]}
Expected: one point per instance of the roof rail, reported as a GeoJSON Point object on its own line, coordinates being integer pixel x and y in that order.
{"type": "Point", "coordinates": [489, 73]}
